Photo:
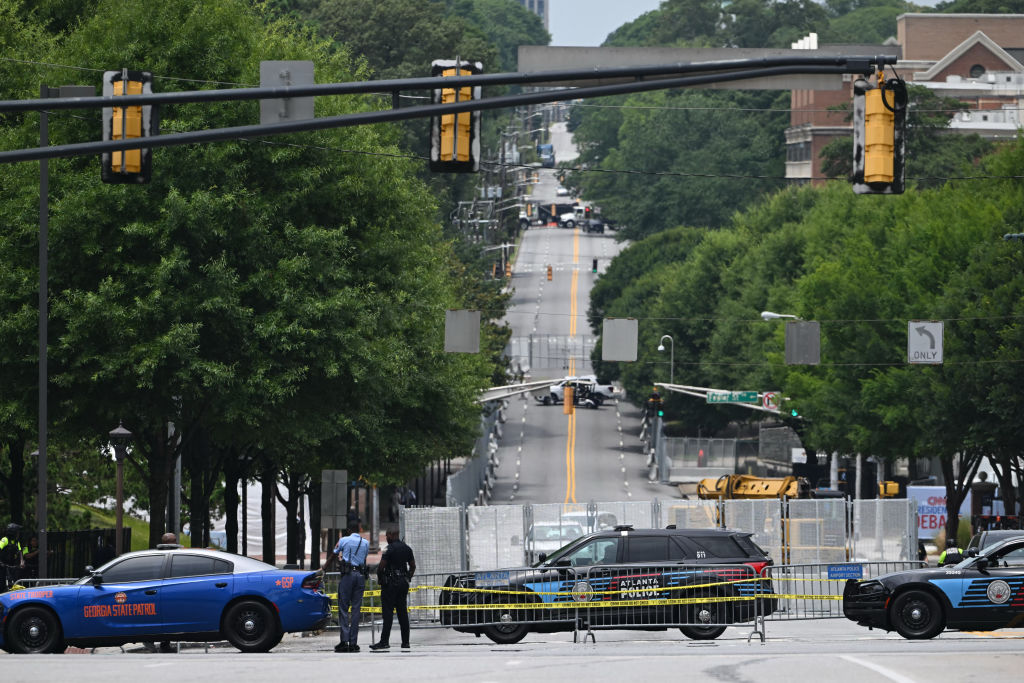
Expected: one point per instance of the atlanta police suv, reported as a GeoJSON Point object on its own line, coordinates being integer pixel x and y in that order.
{"type": "Point", "coordinates": [697, 580]}
{"type": "Point", "coordinates": [182, 594]}
{"type": "Point", "coordinates": [984, 592]}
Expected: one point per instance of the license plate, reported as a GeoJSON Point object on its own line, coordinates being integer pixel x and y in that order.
{"type": "Point", "coordinates": [640, 587]}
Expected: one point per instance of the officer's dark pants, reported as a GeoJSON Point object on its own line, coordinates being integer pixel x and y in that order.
{"type": "Point", "coordinates": [350, 595]}
{"type": "Point", "coordinates": [395, 597]}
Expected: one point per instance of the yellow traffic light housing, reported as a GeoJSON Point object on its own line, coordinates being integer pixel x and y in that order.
{"type": "Point", "coordinates": [888, 489]}
{"type": "Point", "coordinates": [126, 123]}
{"type": "Point", "coordinates": [879, 136]}
{"type": "Point", "coordinates": [455, 138]}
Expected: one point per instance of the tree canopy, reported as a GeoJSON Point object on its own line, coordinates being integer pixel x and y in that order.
{"type": "Point", "coordinates": [282, 296]}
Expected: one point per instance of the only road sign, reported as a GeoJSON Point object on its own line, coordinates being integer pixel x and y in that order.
{"type": "Point", "coordinates": [924, 341]}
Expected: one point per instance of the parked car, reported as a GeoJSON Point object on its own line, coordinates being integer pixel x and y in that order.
{"type": "Point", "coordinates": [981, 593]}
{"type": "Point", "coordinates": [562, 192]}
{"type": "Point", "coordinates": [154, 595]}
{"type": "Point", "coordinates": [984, 539]}
{"type": "Point", "coordinates": [596, 521]}
{"type": "Point", "coordinates": [544, 538]}
{"type": "Point", "coordinates": [622, 578]}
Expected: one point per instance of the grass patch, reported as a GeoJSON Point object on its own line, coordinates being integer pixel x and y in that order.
{"type": "Point", "coordinates": [105, 519]}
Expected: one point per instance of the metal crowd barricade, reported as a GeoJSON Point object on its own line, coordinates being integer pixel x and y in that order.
{"type": "Point", "coordinates": [476, 601]}
{"type": "Point", "coordinates": [699, 600]}
{"type": "Point", "coordinates": [815, 591]}
{"type": "Point", "coordinates": [35, 583]}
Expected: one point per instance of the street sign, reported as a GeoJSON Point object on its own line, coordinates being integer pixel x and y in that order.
{"type": "Point", "coordinates": [771, 401]}
{"type": "Point", "coordinates": [924, 341]}
{"type": "Point", "coordinates": [732, 397]}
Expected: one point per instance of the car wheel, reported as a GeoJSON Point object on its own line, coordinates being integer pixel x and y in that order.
{"type": "Point", "coordinates": [250, 626]}
{"type": "Point", "coordinates": [570, 224]}
{"type": "Point", "coordinates": [546, 400]}
{"type": "Point", "coordinates": [917, 615]}
{"type": "Point", "coordinates": [506, 634]}
{"type": "Point", "coordinates": [702, 632]}
{"type": "Point", "coordinates": [33, 631]}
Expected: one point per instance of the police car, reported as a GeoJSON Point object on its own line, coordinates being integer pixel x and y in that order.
{"type": "Point", "coordinates": [620, 578]}
{"type": "Point", "coordinates": [181, 594]}
{"type": "Point", "coordinates": [984, 592]}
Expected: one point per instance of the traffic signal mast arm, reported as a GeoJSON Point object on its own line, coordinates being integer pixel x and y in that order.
{"type": "Point", "coordinates": [634, 79]}
{"type": "Point", "coordinates": [702, 392]}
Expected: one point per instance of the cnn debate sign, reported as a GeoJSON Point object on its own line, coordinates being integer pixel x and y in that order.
{"type": "Point", "coordinates": [931, 509]}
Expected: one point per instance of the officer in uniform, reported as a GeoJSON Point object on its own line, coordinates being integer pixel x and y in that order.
{"type": "Point", "coordinates": [394, 572]}
{"type": "Point", "coordinates": [12, 558]}
{"type": "Point", "coordinates": [351, 554]}
{"type": "Point", "coordinates": [952, 554]}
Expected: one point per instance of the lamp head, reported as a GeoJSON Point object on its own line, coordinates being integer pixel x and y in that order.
{"type": "Point", "coordinates": [661, 347]}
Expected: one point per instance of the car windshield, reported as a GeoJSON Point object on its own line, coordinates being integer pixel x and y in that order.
{"type": "Point", "coordinates": [585, 554]}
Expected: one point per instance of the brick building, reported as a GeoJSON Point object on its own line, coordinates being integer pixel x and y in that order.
{"type": "Point", "coordinates": [976, 58]}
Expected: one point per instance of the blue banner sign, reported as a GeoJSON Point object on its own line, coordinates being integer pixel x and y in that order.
{"type": "Point", "coordinates": [846, 571]}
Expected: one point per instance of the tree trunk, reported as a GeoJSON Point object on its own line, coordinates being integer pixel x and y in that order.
{"type": "Point", "coordinates": [958, 483]}
{"type": "Point", "coordinates": [268, 501]}
{"type": "Point", "coordinates": [16, 482]}
{"type": "Point", "coordinates": [231, 499]}
{"type": "Point", "coordinates": [314, 523]}
{"type": "Point", "coordinates": [159, 471]}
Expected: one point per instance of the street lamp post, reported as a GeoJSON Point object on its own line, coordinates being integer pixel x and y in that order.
{"type": "Point", "coordinates": [671, 356]}
{"type": "Point", "coordinates": [120, 438]}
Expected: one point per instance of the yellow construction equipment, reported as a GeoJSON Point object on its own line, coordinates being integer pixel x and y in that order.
{"type": "Point", "coordinates": [750, 487]}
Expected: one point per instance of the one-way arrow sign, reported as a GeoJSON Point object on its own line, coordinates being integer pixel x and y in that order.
{"type": "Point", "coordinates": [924, 341]}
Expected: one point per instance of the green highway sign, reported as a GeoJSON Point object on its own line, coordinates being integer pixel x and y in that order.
{"type": "Point", "coordinates": [733, 397]}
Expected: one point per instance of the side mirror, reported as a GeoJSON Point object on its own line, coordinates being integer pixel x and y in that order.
{"type": "Point", "coordinates": [971, 552]}
{"type": "Point", "coordinates": [97, 577]}
{"type": "Point", "coordinates": [982, 563]}
{"type": "Point", "coordinates": [542, 557]}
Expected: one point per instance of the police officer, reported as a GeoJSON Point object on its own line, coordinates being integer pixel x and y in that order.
{"type": "Point", "coordinates": [351, 554]}
{"type": "Point", "coordinates": [12, 558]}
{"type": "Point", "coordinates": [952, 554]}
{"type": "Point", "coordinates": [394, 572]}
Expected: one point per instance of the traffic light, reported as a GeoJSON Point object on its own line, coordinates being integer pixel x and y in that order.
{"type": "Point", "coordinates": [455, 138]}
{"type": "Point", "coordinates": [879, 136]}
{"type": "Point", "coordinates": [593, 268]}
{"type": "Point", "coordinates": [123, 123]}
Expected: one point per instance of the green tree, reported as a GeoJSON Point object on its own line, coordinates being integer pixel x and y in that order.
{"type": "Point", "coordinates": [288, 297]}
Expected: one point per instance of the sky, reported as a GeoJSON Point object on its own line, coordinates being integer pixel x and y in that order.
{"type": "Point", "coordinates": [586, 23]}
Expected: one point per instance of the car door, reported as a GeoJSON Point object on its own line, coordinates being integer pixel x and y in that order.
{"type": "Point", "coordinates": [126, 601]}
{"type": "Point", "coordinates": [641, 583]}
{"type": "Point", "coordinates": [197, 588]}
{"type": "Point", "coordinates": [993, 595]}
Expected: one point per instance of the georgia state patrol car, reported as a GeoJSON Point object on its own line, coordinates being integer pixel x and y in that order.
{"type": "Point", "coordinates": [983, 593]}
{"type": "Point", "coordinates": [181, 594]}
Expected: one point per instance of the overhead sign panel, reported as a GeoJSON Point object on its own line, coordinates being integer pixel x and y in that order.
{"type": "Point", "coordinates": [924, 341]}
{"type": "Point", "coordinates": [619, 339]}
{"type": "Point", "coordinates": [732, 397]}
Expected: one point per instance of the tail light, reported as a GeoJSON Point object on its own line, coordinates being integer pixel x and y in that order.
{"type": "Point", "coordinates": [314, 582]}
{"type": "Point", "coordinates": [758, 567]}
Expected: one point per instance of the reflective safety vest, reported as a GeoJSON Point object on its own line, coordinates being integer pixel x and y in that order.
{"type": "Point", "coordinates": [956, 555]}
{"type": "Point", "coordinates": [10, 551]}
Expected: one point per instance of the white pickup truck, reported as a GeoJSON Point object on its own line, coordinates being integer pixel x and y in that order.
{"type": "Point", "coordinates": [599, 392]}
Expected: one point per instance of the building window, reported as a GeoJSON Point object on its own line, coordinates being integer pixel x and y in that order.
{"type": "Point", "coordinates": [977, 71]}
{"type": "Point", "coordinates": [798, 151]}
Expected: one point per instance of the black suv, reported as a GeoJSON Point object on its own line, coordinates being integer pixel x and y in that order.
{"type": "Point", "coordinates": [622, 578]}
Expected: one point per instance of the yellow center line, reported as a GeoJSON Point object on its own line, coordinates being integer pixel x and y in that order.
{"type": "Point", "coordinates": [570, 444]}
